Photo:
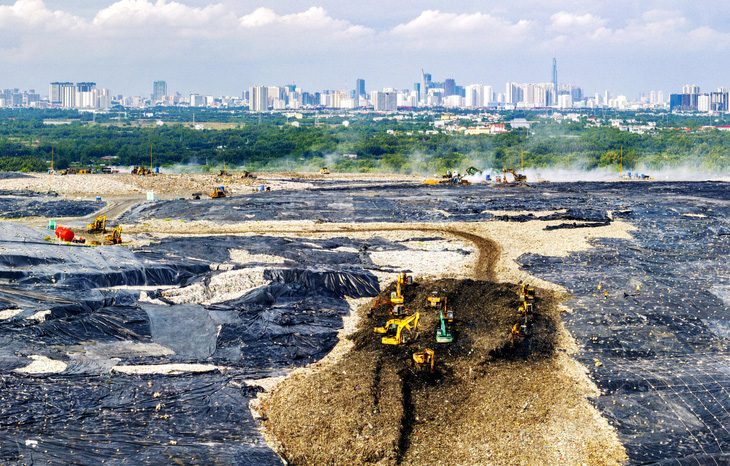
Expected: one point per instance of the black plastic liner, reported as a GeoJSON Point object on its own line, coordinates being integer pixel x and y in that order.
{"type": "Point", "coordinates": [71, 312]}
{"type": "Point", "coordinates": [37, 205]}
{"type": "Point", "coordinates": [656, 344]}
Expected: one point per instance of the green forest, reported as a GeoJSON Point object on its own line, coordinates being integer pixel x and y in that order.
{"type": "Point", "coordinates": [381, 143]}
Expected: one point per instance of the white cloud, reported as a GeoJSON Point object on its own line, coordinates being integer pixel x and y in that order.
{"type": "Point", "coordinates": [137, 13]}
{"type": "Point", "coordinates": [433, 28]}
{"type": "Point", "coordinates": [568, 23]}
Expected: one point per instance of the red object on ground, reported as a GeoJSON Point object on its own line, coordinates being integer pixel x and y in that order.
{"type": "Point", "coordinates": [65, 234]}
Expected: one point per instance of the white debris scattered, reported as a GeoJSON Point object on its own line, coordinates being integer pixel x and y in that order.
{"type": "Point", "coordinates": [43, 365]}
{"type": "Point", "coordinates": [168, 369]}
{"type": "Point", "coordinates": [9, 313]}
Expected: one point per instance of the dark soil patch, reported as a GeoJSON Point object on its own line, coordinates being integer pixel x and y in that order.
{"type": "Point", "coordinates": [375, 406]}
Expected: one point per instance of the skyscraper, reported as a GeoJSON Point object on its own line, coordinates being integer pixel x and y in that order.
{"type": "Point", "coordinates": [449, 87]}
{"type": "Point", "coordinates": [259, 99]}
{"type": "Point", "coordinates": [159, 91]}
{"type": "Point", "coordinates": [555, 75]}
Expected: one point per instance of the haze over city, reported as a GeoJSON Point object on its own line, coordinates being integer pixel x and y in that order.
{"type": "Point", "coordinates": [225, 47]}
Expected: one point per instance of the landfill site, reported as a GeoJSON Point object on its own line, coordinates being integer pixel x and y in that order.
{"type": "Point", "coordinates": [376, 319]}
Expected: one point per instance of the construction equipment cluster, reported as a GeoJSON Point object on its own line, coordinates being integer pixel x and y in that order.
{"type": "Point", "coordinates": [402, 328]}
{"type": "Point", "coordinates": [520, 329]}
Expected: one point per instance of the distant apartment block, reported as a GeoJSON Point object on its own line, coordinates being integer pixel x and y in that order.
{"type": "Point", "coordinates": [691, 100]}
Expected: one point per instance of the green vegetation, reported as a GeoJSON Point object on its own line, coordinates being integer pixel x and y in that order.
{"type": "Point", "coordinates": [387, 144]}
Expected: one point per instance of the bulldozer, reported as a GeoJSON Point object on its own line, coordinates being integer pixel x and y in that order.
{"type": "Point", "coordinates": [518, 178]}
{"type": "Point", "coordinates": [401, 331]}
{"type": "Point", "coordinates": [115, 237]}
{"type": "Point", "coordinates": [424, 358]}
{"type": "Point", "coordinates": [99, 225]}
{"type": "Point", "coordinates": [223, 173]}
{"type": "Point", "coordinates": [218, 192]}
{"type": "Point", "coordinates": [324, 171]}
{"type": "Point", "coordinates": [435, 298]}
{"type": "Point", "coordinates": [248, 174]}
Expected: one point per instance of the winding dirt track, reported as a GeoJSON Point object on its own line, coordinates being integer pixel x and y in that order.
{"type": "Point", "coordinates": [489, 251]}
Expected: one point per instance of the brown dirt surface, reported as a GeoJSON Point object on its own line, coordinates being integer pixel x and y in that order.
{"type": "Point", "coordinates": [488, 400]}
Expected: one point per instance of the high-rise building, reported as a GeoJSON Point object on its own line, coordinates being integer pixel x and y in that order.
{"type": "Point", "coordinates": [359, 89]}
{"type": "Point", "coordinates": [159, 91]}
{"type": "Point", "coordinates": [63, 94]}
{"type": "Point", "coordinates": [555, 75]}
{"type": "Point", "coordinates": [385, 101]}
{"type": "Point", "coordinates": [259, 99]}
{"type": "Point", "coordinates": [449, 87]}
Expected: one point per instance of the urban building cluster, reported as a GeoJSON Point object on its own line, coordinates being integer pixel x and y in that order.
{"type": "Point", "coordinates": [692, 100]}
{"type": "Point", "coordinates": [425, 93]}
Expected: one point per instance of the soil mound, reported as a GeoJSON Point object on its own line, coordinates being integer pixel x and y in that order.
{"type": "Point", "coordinates": [376, 406]}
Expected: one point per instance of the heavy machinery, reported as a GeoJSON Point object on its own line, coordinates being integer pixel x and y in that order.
{"type": "Point", "coordinates": [518, 178]}
{"type": "Point", "coordinates": [99, 225]}
{"type": "Point", "coordinates": [424, 358]}
{"type": "Point", "coordinates": [515, 334]}
{"type": "Point", "coordinates": [396, 297]}
{"type": "Point", "coordinates": [442, 334]}
{"type": "Point", "coordinates": [141, 171]}
{"type": "Point", "coordinates": [471, 171]}
{"type": "Point", "coordinates": [435, 298]}
{"type": "Point", "coordinates": [248, 174]}
{"type": "Point", "coordinates": [395, 309]}
{"type": "Point", "coordinates": [324, 171]}
{"type": "Point", "coordinates": [400, 331]}
{"type": "Point", "coordinates": [223, 173]}
{"type": "Point", "coordinates": [219, 191]}
{"type": "Point", "coordinates": [115, 237]}
{"type": "Point", "coordinates": [527, 294]}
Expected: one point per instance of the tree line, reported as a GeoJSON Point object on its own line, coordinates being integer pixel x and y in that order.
{"type": "Point", "coordinates": [355, 143]}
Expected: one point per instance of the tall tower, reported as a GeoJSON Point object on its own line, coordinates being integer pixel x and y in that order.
{"type": "Point", "coordinates": [359, 91]}
{"type": "Point", "coordinates": [159, 91]}
{"type": "Point", "coordinates": [555, 76]}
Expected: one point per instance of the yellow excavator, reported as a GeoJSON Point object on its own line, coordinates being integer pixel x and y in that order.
{"type": "Point", "coordinates": [99, 225]}
{"type": "Point", "coordinates": [406, 330]}
{"type": "Point", "coordinates": [115, 237]}
{"type": "Point", "coordinates": [424, 358]}
{"type": "Point", "coordinates": [324, 171]}
{"type": "Point", "coordinates": [141, 171]}
{"type": "Point", "coordinates": [396, 297]}
{"type": "Point", "coordinates": [519, 178]}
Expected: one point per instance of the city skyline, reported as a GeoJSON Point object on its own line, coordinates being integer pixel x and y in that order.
{"type": "Point", "coordinates": [225, 47]}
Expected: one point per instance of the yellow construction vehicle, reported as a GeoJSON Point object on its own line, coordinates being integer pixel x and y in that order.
{"type": "Point", "coordinates": [396, 297]}
{"type": "Point", "coordinates": [324, 171]}
{"type": "Point", "coordinates": [99, 225]}
{"type": "Point", "coordinates": [141, 171]}
{"type": "Point", "coordinates": [248, 174]}
{"type": "Point", "coordinates": [115, 237]}
{"type": "Point", "coordinates": [527, 294]}
{"type": "Point", "coordinates": [519, 178]}
{"type": "Point", "coordinates": [406, 330]}
{"type": "Point", "coordinates": [435, 298]}
{"type": "Point", "coordinates": [218, 192]}
{"type": "Point", "coordinates": [424, 358]}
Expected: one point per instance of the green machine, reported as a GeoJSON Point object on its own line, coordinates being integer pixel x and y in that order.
{"type": "Point", "coordinates": [442, 335]}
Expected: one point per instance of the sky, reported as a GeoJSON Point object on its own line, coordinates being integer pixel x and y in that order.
{"type": "Point", "coordinates": [224, 47]}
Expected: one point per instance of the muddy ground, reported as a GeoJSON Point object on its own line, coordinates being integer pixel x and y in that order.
{"type": "Point", "coordinates": [490, 398]}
